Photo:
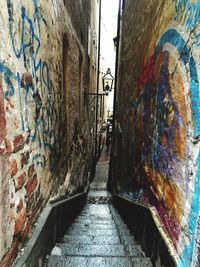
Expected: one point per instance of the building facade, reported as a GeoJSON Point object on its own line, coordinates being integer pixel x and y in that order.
{"type": "Point", "coordinates": [44, 121]}
{"type": "Point", "coordinates": [156, 152]}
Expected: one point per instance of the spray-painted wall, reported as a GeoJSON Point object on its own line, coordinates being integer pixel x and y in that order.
{"type": "Point", "coordinates": [157, 155]}
{"type": "Point", "coordinates": [43, 125]}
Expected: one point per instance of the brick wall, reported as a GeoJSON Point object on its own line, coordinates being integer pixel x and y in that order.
{"type": "Point", "coordinates": [43, 144]}
{"type": "Point", "coordinates": [156, 150]}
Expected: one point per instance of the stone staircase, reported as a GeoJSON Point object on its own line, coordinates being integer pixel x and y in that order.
{"type": "Point", "coordinates": [98, 238]}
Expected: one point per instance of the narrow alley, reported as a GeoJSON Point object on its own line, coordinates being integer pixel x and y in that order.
{"type": "Point", "coordinates": [100, 133]}
{"type": "Point", "coordinates": [98, 236]}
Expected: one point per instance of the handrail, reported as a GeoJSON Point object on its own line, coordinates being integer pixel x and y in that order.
{"type": "Point", "coordinates": [51, 226]}
{"type": "Point", "coordinates": [144, 222]}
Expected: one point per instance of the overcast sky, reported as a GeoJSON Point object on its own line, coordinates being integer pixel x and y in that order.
{"type": "Point", "coordinates": [108, 32]}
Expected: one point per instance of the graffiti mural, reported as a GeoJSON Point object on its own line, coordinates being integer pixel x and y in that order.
{"type": "Point", "coordinates": [162, 131]}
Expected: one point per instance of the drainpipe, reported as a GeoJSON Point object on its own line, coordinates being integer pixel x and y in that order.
{"type": "Point", "coordinates": [97, 91]}
{"type": "Point", "coordinates": [110, 177]}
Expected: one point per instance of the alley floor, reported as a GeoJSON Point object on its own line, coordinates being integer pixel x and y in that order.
{"type": "Point", "coordinates": [98, 237]}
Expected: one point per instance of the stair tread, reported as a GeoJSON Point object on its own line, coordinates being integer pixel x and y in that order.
{"type": "Point", "coordinates": [89, 262]}
{"type": "Point", "coordinates": [93, 232]}
{"type": "Point", "coordinates": [85, 227]}
{"type": "Point", "coordinates": [129, 240]}
{"type": "Point", "coordinates": [98, 237]}
{"type": "Point", "coordinates": [92, 250]}
{"type": "Point", "coordinates": [134, 250]}
{"type": "Point", "coordinates": [144, 262]}
{"type": "Point", "coordinates": [95, 222]}
{"type": "Point", "coordinates": [87, 239]}
{"type": "Point", "coordinates": [96, 217]}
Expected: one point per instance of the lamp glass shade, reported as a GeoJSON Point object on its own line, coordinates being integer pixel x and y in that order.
{"type": "Point", "coordinates": [107, 82]}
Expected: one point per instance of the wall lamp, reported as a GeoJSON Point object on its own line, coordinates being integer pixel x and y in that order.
{"type": "Point", "coordinates": [107, 80]}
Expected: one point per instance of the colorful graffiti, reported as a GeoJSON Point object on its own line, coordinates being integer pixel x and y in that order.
{"type": "Point", "coordinates": [190, 9]}
{"type": "Point", "coordinates": [160, 103]}
{"type": "Point", "coordinates": [162, 126]}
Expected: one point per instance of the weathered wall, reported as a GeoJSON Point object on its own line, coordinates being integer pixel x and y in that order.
{"type": "Point", "coordinates": [43, 125]}
{"type": "Point", "coordinates": [156, 151]}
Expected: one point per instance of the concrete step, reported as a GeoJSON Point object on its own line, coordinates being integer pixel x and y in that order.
{"type": "Point", "coordinates": [89, 262]}
{"type": "Point", "coordinates": [92, 250]}
{"type": "Point", "coordinates": [98, 237]}
{"type": "Point", "coordinates": [94, 222]}
{"type": "Point", "coordinates": [128, 240]}
{"type": "Point", "coordinates": [84, 227]}
{"type": "Point", "coordinates": [100, 226]}
{"type": "Point", "coordinates": [134, 251]}
{"type": "Point", "coordinates": [95, 217]}
{"type": "Point", "coordinates": [93, 232]}
{"type": "Point", "coordinates": [92, 240]}
{"type": "Point", "coordinates": [98, 194]}
{"type": "Point", "coordinates": [141, 262]}
{"type": "Point", "coordinates": [96, 207]}
{"type": "Point", "coordinates": [124, 232]}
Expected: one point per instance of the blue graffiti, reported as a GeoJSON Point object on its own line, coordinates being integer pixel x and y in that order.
{"type": "Point", "coordinates": [39, 160]}
{"type": "Point", "coordinates": [8, 76]}
{"type": "Point", "coordinates": [192, 14]}
{"type": "Point", "coordinates": [26, 48]}
{"type": "Point", "coordinates": [34, 87]}
{"type": "Point", "coordinates": [175, 39]}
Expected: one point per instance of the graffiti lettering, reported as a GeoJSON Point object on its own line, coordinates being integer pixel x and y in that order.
{"type": "Point", "coordinates": [34, 87]}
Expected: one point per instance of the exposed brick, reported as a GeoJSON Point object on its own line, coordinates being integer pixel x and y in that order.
{"type": "Point", "coordinates": [11, 254]}
{"type": "Point", "coordinates": [31, 185]}
{"type": "Point", "coordinates": [31, 171]}
{"type": "Point", "coordinates": [19, 181]}
{"type": "Point", "coordinates": [8, 146]}
{"type": "Point", "coordinates": [36, 209]}
{"type": "Point", "coordinates": [20, 205]}
{"type": "Point", "coordinates": [13, 169]}
{"type": "Point", "coordinates": [19, 221]}
{"type": "Point", "coordinates": [26, 229]}
{"type": "Point", "coordinates": [24, 158]}
{"type": "Point", "coordinates": [29, 204]}
{"type": "Point", "coordinates": [18, 142]}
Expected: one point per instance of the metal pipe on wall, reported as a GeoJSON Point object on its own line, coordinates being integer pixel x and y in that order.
{"type": "Point", "coordinates": [97, 91]}
{"type": "Point", "coordinates": [110, 176]}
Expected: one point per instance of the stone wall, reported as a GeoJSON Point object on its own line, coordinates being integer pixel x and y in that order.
{"type": "Point", "coordinates": [43, 122]}
{"type": "Point", "coordinates": [156, 151]}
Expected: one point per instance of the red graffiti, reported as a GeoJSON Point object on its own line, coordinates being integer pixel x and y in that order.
{"type": "Point", "coordinates": [147, 73]}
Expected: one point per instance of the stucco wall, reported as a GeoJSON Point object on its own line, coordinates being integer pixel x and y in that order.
{"type": "Point", "coordinates": [157, 157]}
{"type": "Point", "coordinates": [43, 137]}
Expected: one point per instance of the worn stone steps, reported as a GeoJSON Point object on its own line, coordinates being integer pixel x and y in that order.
{"type": "Point", "coordinates": [98, 237]}
{"type": "Point", "coordinates": [88, 239]}
{"type": "Point", "coordinates": [98, 262]}
{"type": "Point", "coordinates": [89, 262]}
{"type": "Point", "coordinates": [92, 250]}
